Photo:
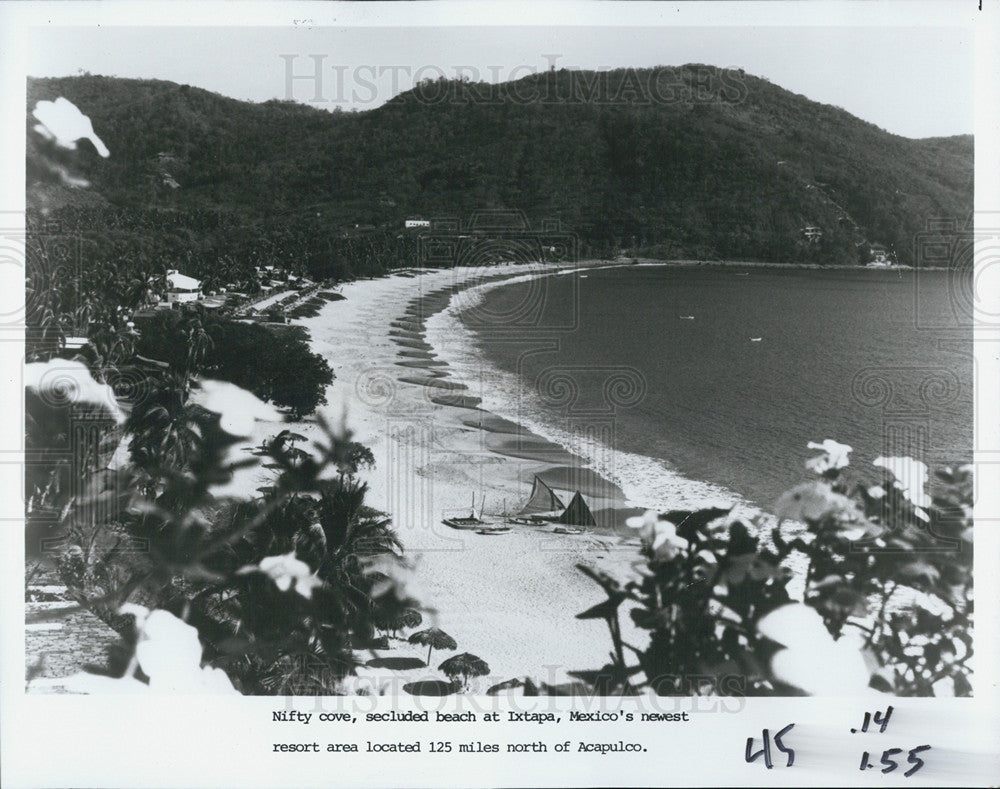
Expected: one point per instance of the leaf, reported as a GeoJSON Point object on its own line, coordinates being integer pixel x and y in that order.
{"type": "Point", "coordinates": [605, 610]}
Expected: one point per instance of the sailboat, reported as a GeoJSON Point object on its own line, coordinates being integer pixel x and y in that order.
{"type": "Point", "coordinates": [577, 514]}
{"type": "Point", "coordinates": [542, 502]}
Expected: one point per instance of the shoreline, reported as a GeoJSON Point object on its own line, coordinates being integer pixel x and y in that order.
{"type": "Point", "coordinates": [405, 371]}
{"type": "Point", "coordinates": [404, 388]}
{"type": "Point", "coordinates": [511, 598]}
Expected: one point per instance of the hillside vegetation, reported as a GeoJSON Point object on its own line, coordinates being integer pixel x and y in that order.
{"type": "Point", "coordinates": [680, 162]}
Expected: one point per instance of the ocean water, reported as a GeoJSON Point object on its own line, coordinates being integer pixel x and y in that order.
{"type": "Point", "coordinates": [708, 382]}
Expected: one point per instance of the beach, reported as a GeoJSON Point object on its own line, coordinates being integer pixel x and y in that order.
{"type": "Point", "coordinates": [509, 598]}
{"type": "Point", "coordinates": [408, 385]}
{"type": "Point", "coordinates": [453, 435]}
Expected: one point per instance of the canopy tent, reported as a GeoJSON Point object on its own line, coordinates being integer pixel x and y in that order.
{"type": "Point", "coordinates": [577, 513]}
{"type": "Point", "coordinates": [542, 499]}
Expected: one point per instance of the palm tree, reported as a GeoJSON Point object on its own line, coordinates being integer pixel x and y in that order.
{"type": "Point", "coordinates": [198, 342]}
{"type": "Point", "coordinates": [162, 426]}
{"type": "Point", "coordinates": [352, 530]}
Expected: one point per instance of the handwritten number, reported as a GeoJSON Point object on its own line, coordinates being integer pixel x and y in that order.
{"type": "Point", "coordinates": [864, 761]}
{"type": "Point", "coordinates": [782, 748]}
{"type": "Point", "coordinates": [915, 760]}
{"type": "Point", "coordinates": [765, 751]}
{"type": "Point", "coordinates": [882, 720]}
{"type": "Point", "coordinates": [888, 761]}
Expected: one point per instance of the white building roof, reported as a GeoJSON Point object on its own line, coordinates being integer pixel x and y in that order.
{"type": "Point", "coordinates": [177, 281]}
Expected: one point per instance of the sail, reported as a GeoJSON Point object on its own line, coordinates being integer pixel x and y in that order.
{"type": "Point", "coordinates": [542, 499]}
{"type": "Point", "coordinates": [577, 513]}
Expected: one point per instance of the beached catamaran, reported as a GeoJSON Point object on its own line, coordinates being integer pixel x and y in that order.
{"type": "Point", "coordinates": [543, 504]}
{"type": "Point", "coordinates": [471, 522]}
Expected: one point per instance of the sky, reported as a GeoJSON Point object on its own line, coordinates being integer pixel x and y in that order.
{"type": "Point", "coordinates": [912, 81]}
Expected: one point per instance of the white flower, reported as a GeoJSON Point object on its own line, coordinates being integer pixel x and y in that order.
{"type": "Point", "coordinates": [666, 544]}
{"type": "Point", "coordinates": [660, 536]}
{"type": "Point", "coordinates": [287, 572]}
{"type": "Point", "coordinates": [812, 660]}
{"type": "Point", "coordinates": [168, 649]}
{"type": "Point", "coordinates": [169, 653]}
{"type": "Point", "coordinates": [911, 476]}
{"type": "Point", "coordinates": [646, 523]}
{"type": "Point", "coordinates": [61, 382]}
{"type": "Point", "coordinates": [237, 407]}
{"type": "Point", "coordinates": [834, 456]}
{"type": "Point", "coordinates": [62, 122]}
{"type": "Point", "coordinates": [813, 501]}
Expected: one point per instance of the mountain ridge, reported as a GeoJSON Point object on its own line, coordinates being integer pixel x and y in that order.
{"type": "Point", "coordinates": [731, 166]}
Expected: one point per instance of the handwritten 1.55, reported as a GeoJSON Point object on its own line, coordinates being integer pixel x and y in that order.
{"type": "Point", "coordinates": [890, 763]}
{"type": "Point", "coordinates": [881, 719]}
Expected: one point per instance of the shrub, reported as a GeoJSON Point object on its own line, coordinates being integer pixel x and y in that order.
{"type": "Point", "coordinates": [275, 366]}
{"type": "Point", "coordinates": [887, 583]}
{"type": "Point", "coordinates": [276, 590]}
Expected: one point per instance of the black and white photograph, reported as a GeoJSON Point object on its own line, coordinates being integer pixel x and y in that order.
{"type": "Point", "coordinates": [577, 370]}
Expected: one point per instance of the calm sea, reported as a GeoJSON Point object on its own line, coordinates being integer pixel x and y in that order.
{"type": "Point", "coordinates": [722, 375]}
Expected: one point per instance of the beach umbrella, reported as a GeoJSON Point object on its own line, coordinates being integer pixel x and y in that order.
{"type": "Point", "coordinates": [465, 666]}
{"type": "Point", "coordinates": [433, 638]}
{"type": "Point", "coordinates": [408, 617]}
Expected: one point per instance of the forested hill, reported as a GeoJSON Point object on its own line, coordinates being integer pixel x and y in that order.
{"type": "Point", "coordinates": [680, 162]}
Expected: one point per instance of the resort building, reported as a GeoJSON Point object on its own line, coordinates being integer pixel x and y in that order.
{"type": "Point", "coordinates": [182, 289]}
{"type": "Point", "coordinates": [880, 256]}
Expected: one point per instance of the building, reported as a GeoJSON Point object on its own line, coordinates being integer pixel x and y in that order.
{"type": "Point", "coordinates": [182, 289]}
{"type": "Point", "coordinates": [411, 223]}
{"type": "Point", "coordinates": [812, 233]}
{"type": "Point", "coordinates": [880, 256]}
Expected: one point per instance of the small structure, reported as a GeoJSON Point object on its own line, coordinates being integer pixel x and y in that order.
{"type": "Point", "coordinates": [182, 289]}
{"type": "Point", "coordinates": [879, 256]}
{"type": "Point", "coordinates": [411, 223]}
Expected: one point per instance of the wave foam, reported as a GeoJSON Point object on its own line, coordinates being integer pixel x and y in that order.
{"type": "Point", "coordinates": [646, 481]}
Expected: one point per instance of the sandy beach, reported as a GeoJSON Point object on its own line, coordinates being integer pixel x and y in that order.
{"type": "Point", "coordinates": [510, 598]}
